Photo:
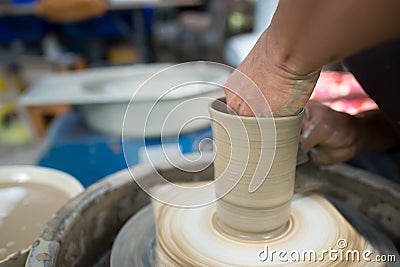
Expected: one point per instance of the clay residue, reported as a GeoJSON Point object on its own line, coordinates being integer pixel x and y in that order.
{"type": "Point", "coordinates": [191, 237]}
{"type": "Point", "coordinates": [24, 210]}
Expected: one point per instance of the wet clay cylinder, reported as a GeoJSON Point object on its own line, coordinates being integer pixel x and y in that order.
{"type": "Point", "coordinates": [263, 149]}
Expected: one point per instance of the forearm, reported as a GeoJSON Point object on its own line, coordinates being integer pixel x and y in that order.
{"type": "Point", "coordinates": [303, 36]}
{"type": "Point", "coordinates": [306, 34]}
{"type": "Point", "coordinates": [376, 132]}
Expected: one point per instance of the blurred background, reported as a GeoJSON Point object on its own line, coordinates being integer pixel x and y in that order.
{"type": "Point", "coordinates": [49, 47]}
{"type": "Point", "coordinates": [39, 39]}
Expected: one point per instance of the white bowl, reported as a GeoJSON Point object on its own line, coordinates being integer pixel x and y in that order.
{"type": "Point", "coordinates": [103, 94]}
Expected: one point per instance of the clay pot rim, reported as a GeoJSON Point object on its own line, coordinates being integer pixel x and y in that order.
{"type": "Point", "coordinates": [248, 118]}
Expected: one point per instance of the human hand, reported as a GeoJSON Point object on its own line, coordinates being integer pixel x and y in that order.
{"type": "Point", "coordinates": [328, 135]}
{"type": "Point", "coordinates": [285, 90]}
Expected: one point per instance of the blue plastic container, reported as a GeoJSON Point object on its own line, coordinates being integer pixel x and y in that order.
{"type": "Point", "coordinates": [89, 156]}
{"type": "Point", "coordinates": [24, 28]}
{"type": "Point", "coordinates": [22, 1]}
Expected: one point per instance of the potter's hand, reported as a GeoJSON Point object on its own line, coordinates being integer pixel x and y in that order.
{"type": "Point", "coordinates": [285, 90]}
{"type": "Point", "coordinates": [329, 136]}
{"type": "Point", "coordinates": [302, 37]}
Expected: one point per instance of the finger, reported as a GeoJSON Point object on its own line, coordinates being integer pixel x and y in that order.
{"type": "Point", "coordinates": [307, 113]}
{"type": "Point", "coordinates": [323, 156]}
{"type": "Point", "coordinates": [313, 134]}
{"type": "Point", "coordinates": [238, 106]}
{"type": "Point", "coordinates": [245, 110]}
{"type": "Point", "coordinates": [229, 95]}
{"type": "Point", "coordinates": [306, 119]}
{"type": "Point", "coordinates": [231, 100]}
{"type": "Point", "coordinates": [315, 125]}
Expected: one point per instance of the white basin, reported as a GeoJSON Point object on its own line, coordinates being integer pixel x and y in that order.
{"type": "Point", "coordinates": [103, 95]}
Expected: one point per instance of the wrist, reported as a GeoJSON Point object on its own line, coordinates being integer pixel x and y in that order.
{"type": "Point", "coordinates": [292, 85]}
{"type": "Point", "coordinates": [288, 58]}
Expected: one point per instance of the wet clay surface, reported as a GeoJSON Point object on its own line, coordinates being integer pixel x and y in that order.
{"type": "Point", "coordinates": [24, 210]}
{"type": "Point", "coordinates": [258, 157]}
{"type": "Point", "coordinates": [122, 198]}
{"type": "Point", "coordinates": [191, 237]}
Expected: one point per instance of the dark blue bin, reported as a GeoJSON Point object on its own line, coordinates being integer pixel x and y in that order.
{"type": "Point", "coordinates": [24, 28]}
{"type": "Point", "coordinates": [89, 156]}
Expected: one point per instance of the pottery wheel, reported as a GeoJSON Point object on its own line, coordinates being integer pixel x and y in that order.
{"type": "Point", "coordinates": [192, 237]}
